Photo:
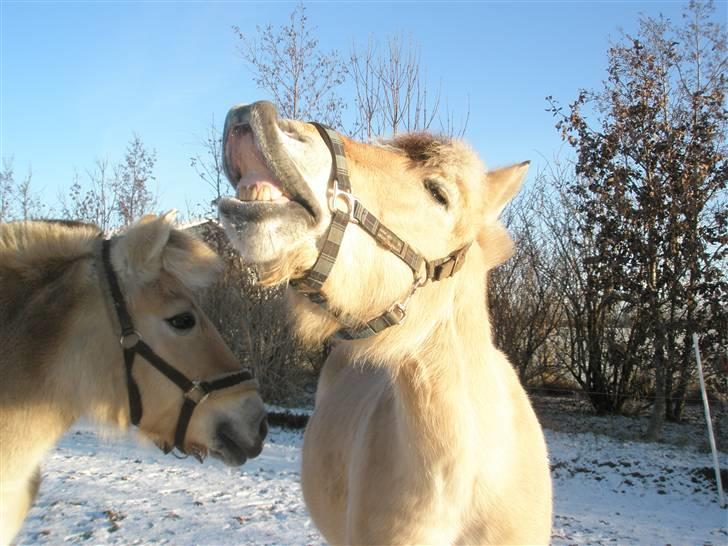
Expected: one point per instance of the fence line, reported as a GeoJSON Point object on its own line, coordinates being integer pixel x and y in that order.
{"type": "Point", "coordinates": [546, 390]}
{"type": "Point", "coordinates": [711, 436]}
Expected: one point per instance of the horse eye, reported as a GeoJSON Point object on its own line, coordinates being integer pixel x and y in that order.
{"type": "Point", "coordinates": [437, 193]}
{"type": "Point", "coordinates": [183, 321]}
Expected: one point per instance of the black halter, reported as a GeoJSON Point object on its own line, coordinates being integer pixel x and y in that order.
{"type": "Point", "coordinates": [423, 270]}
{"type": "Point", "coordinates": [195, 392]}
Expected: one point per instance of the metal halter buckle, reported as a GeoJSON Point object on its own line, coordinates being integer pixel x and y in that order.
{"type": "Point", "coordinates": [201, 395]}
{"type": "Point", "coordinates": [338, 196]}
{"type": "Point", "coordinates": [129, 340]}
{"type": "Point", "coordinates": [397, 313]}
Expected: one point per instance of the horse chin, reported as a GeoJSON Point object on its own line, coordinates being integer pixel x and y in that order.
{"type": "Point", "coordinates": [262, 231]}
{"type": "Point", "coordinates": [265, 232]}
{"type": "Point", "coordinates": [229, 459]}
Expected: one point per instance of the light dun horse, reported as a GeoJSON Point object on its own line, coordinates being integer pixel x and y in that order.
{"type": "Point", "coordinates": [61, 358]}
{"type": "Point", "coordinates": [421, 433]}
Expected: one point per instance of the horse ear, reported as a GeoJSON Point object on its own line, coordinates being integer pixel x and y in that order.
{"type": "Point", "coordinates": [496, 243]}
{"type": "Point", "coordinates": [140, 251]}
{"type": "Point", "coordinates": [501, 185]}
{"type": "Point", "coordinates": [190, 260]}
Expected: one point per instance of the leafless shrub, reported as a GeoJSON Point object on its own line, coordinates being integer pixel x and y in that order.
{"type": "Point", "coordinates": [253, 321]}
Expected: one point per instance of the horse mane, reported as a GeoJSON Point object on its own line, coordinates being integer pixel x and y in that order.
{"type": "Point", "coordinates": [39, 286]}
{"type": "Point", "coordinates": [24, 246]}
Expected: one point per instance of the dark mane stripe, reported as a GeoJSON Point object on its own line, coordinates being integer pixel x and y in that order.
{"type": "Point", "coordinates": [419, 146]}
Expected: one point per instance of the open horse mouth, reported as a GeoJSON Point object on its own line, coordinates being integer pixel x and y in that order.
{"type": "Point", "coordinates": [267, 182]}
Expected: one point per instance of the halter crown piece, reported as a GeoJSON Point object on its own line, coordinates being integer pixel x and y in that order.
{"type": "Point", "coordinates": [423, 270]}
{"type": "Point", "coordinates": [194, 392]}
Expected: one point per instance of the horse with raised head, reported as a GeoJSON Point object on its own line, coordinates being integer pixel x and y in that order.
{"type": "Point", "coordinates": [109, 329]}
{"type": "Point", "coordinates": [422, 433]}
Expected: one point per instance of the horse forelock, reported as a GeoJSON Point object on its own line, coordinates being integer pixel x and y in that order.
{"type": "Point", "coordinates": [419, 146]}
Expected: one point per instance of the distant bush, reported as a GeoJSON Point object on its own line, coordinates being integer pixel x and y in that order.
{"type": "Point", "coordinates": [253, 322]}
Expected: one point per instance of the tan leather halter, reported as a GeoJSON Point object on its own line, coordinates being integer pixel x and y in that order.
{"type": "Point", "coordinates": [423, 270]}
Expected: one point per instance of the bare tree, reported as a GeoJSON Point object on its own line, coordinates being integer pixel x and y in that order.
{"type": "Point", "coordinates": [18, 199]}
{"type": "Point", "coordinates": [368, 92]}
{"type": "Point", "coordinates": [404, 88]}
{"type": "Point", "coordinates": [95, 203]}
{"type": "Point", "coordinates": [113, 197]}
{"type": "Point", "coordinates": [253, 320]}
{"type": "Point", "coordinates": [598, 339]}
{"type": "Point", "coordinates": [7, 190]}
{"type": "Point", "coordinates": [131, 182]}
{"type": "Point", "coordinates": [208, 166]}
{"type": "Point", "coordinates": [524, 304]}
{"type": "Point", "coordinates": [288, 63]}
{"type": "Point", "coordinates": [448, 124]}
{"type": "Point", "coordinates": [391, 89]}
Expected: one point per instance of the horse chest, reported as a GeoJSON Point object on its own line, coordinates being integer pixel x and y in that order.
{"type": "Point", "coordinates": [362, 477]}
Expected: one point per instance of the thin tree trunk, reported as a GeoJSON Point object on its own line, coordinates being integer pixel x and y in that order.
{"type": "Point", "coordinates": [657, 419]}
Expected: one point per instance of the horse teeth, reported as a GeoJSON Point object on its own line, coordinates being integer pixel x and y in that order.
{"type": "Point", "coordinates": [275, 193]}
{"type": "Point", "coordinates": [256, 192]}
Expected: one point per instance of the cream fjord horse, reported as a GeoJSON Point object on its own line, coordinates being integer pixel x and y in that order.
{"type": "Point", "coordinates": [421, 433]}
{"type": "Point", "coordinates": [66, 300]}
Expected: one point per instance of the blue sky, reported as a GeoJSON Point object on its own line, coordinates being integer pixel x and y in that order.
{"type": "Point", "coordinates": [78, 79]}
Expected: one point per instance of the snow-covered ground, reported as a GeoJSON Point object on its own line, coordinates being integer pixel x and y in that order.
{"type": "Point", "coordinates": [114, 490]}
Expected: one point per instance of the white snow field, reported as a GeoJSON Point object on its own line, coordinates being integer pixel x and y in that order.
{"type": "Point", "coordinates": [100, 489]}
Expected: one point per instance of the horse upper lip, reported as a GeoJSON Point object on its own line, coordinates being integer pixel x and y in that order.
{"type": "Point", "coordinates": [270, 152]}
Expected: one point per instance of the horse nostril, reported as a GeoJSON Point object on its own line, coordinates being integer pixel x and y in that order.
{"type": "Point", "coordinates": [263, 429]}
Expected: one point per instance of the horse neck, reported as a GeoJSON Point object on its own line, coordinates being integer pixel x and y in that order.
{"type": "Point", "coordinates": [87, 373]}
{"type": "Point", "coordinates": [436, 360]}
{"type": "Point", "coordinates": [68, 365]}
{"type": "Point", "coordinates": [107, 399]}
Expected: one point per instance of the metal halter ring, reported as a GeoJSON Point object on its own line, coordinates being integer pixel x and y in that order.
{"type": "Point", "coordinates": [397, 312]}
{"type": "Point", "coordinates": [196, 398]}
{"type": "Point", "coordinates": [129, 340]}
{"type": "Point", "coordinates": [347, 198]}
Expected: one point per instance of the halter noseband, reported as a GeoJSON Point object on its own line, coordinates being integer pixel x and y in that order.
{"type": "Point", "coordinates": [194, 392]}
{"type": "Point", "coordinates": [422, 270]}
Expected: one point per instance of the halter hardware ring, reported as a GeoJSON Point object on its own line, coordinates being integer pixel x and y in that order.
{"type": "Point", "coordinates": [129, 340]}
{"type": "Point", "coordinates": [197, 398]}
{"type": "Point", "coordinates": [346, 198]}
{"type": "Point", "coordinates": [398, 312]}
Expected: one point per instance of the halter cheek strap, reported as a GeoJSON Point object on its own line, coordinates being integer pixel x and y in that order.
{"type": "Point", "coordinates": [422, 270]}
{"type": "Point", "coordinates": [194, 392]}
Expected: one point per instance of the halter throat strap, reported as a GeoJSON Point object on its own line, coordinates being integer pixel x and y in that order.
{"type": "Point", "coordinates": [311, 285]}
{"type": "Point", "coordinates": [194, 392]}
